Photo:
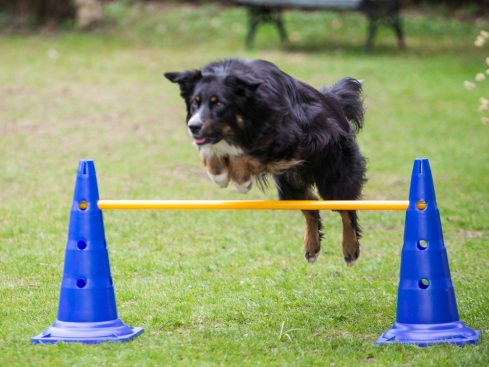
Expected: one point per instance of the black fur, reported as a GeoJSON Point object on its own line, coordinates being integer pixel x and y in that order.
{"type": "Point", "coordinates": [284, 120]}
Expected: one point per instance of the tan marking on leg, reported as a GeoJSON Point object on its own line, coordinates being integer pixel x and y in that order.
{"type": "Point", "coordinates": [311, 237]}
{"type": "Point", "coordinates": [280, 167]}
{"type": "Point", "coordinates": [312, 244]}
{"type": "Point", "coordinates": [351, 246]}
{"type": "Point", "coordinates": [255, 166]}
{"type": "Point", "coordinates": [240, 174]}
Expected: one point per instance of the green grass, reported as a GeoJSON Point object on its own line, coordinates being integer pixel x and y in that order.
{"type": "Point", "coordinates": [231, 288]}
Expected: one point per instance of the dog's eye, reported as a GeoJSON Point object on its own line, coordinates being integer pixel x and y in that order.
{"type": "Point", "coordinates": [195, 103]}
{"type": "Point", "coordinates": [219, 105]}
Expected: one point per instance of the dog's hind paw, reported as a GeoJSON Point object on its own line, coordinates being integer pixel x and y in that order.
{"type": "Point", "coordinates": [351, 259]}
{"type": "Point", "coordinates": [350, 263]}
{"type": "Point", "coordinates": [311, 258]}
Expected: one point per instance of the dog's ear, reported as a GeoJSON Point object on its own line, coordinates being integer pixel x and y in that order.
{"type": "Point", "coordinates": [244, 84]}
{"type": "Point", "coordinates": [185, 79]}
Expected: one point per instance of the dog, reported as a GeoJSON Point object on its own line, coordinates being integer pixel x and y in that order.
{"type": "Point", "coordinates": [249, 119]}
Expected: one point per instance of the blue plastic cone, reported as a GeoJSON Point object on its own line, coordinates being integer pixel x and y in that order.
{"type": "Point", "coordinates": [426, 307]}
{"type": "Point", "coordinates": [87, 311]}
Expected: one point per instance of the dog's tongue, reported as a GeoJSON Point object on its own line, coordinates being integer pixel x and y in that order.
{"type": "Point", "coordinates": [199, 140]}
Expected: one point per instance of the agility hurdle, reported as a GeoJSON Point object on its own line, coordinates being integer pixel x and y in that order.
{"type": "Point", "coordinates": [255, 205]}
{"type": "Point", "coordinates": [426, 309]}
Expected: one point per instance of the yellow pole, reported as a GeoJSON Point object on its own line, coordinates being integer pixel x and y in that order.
{"type": "Point", "coordinates": [253, 204]}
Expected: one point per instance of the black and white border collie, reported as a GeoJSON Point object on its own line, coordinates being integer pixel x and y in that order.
{"type": "Point", "coordinates": [248, 119]}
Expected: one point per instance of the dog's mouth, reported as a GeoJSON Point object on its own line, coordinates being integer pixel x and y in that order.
{"type": "Point", "coordinates": [213, 139]}
{"type": "Point", "coordinates": [199, 141]}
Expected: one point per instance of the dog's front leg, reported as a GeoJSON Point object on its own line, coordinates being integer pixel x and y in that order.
{"type": "Point", "coordinates": [240, 174]}
{"type": "Point", "coordinates": [217, 169]}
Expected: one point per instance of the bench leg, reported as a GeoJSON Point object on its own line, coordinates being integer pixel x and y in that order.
{"type": "Point", "coordinates": [382, 13]}
{"type": "Point", "coordinates": [372, 30]}
{"type": "Point", "coordinates": [255, 16]}
{"type": "Point", "coordinates": [396, 24]}
{"type": "Point", "coordinates": [374, 22]}
{"type": "Point", "coordinates": [265, 14]}
{"type": "Point", "coordinates": [251, 33]}
{"type": "Point", "coordinates": [280, 26]}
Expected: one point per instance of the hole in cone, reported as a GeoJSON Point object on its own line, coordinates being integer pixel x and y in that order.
{"type": "Point", "coordinates": [421, 205]}
{"type": "Point", "coordinates": [424, 283]}
{"type": "Point", "coordinates": [81, 283]}
{"type": "Point", "coordinates": [83, 205]}
{"type": "Point", "coordinates": [82, 245]}
{"type": "Point", "coordinates": [422, 245]}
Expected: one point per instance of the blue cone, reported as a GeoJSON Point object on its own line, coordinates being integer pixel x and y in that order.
{"type": "Point", "coordinates": [426, 307]}
{"type": "Point", "coordinates": [87, 311]}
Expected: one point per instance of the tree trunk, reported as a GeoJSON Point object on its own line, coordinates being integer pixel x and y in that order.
{"type": "Point", "coordinates": [38, 11]}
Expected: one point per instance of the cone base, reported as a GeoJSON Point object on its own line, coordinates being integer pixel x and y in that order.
{"type": "Point", "coordinates": [87, 332]}
{"type": "Point", "coordinates": [428, 334]}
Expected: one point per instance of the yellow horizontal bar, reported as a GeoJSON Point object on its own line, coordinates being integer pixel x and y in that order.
{"type": "Point", "coordinates": [254, 204]}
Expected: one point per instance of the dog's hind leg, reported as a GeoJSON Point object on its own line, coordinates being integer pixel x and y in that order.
{"type": "Point", "coordinates": [351, 235]}
{"type": "Point", "coordinates": [297, 190]}
{"type": "Point", "coordinates": [344, 181]}
{"type": "Point", "coordinates": [312, 238]}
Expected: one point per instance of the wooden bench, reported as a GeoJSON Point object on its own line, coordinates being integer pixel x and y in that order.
{"type": "Point", "coordinates": [378, 12]}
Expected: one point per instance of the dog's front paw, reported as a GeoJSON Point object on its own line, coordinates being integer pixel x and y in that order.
{"type": "Point", "coordinates": [216, 169]}
{"type": "Point", "coordinates": [245, 187]}
{"type": "Point", "coordinates": [221, 180]}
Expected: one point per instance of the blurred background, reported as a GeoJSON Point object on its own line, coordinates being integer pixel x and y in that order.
{"type": "Point", "coordinates": [85, 13]}
{"type": "Point", "coordinates": [83, 79]}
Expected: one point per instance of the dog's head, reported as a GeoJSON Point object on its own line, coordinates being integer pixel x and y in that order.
{"type": "Point", "coordinates": [215, 102]}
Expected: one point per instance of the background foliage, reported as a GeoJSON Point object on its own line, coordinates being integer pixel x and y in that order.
{"type": "Point", "coordinates": [53, 12]}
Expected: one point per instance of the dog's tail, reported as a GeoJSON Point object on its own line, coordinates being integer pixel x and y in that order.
{"type": "Point", "coordinates": [348, 92]}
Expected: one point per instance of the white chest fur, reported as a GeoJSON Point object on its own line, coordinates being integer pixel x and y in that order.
{"type": "Point", "coordinates": [221, 149]}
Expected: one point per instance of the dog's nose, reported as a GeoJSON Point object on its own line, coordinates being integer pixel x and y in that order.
{"type": "Point", "coordinates": [194, 127]}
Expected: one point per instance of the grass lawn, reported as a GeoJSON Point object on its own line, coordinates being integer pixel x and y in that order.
{"type": "Point", "coordinates": [232, 288]}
